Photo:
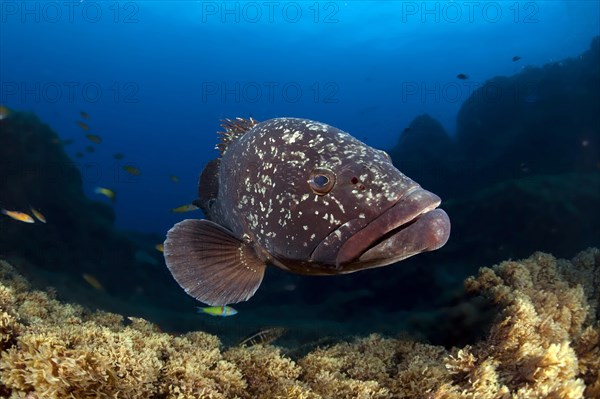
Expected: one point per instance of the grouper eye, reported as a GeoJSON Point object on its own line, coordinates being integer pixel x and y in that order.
{"type": "Point", "coordinates": [321, 181]}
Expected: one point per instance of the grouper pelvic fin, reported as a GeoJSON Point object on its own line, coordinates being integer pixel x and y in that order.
{"type": "Point", "coordinates": [208, 187]}
{"type": "Point", "coordinates": [234, 129]}
{"type": "Point", "coordinates": [210, 264]}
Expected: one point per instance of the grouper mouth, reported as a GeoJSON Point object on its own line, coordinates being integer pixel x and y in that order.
{"type": "Point", "coordinates": [411, 226]}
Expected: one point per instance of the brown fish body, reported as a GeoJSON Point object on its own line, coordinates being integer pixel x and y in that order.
{"type": "Point", "coordinates": [303, 196]}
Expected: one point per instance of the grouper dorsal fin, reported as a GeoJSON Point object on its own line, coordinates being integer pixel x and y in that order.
{"type": "Point", "coordinates": [210, 264]}
{"type": "Point", "coordinates": [208, 187]}
{"type": "Point", "coordinates": [234, 129]}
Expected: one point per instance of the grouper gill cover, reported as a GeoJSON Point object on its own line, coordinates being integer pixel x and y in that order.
{"type": "Point", "coordinates": [303, 196]}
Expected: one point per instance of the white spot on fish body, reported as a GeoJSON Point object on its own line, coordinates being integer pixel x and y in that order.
{"type": "Point", "coordinates": [339, 204]}
{"type": "Point", "coordinates": [333, 220]}
{"type": "Point", "coordinates": [299, 154]}
{"type": "Point", "coordinates": [292, 138]}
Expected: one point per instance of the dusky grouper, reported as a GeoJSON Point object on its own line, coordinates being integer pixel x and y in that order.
{"type": "Point", "coordinates": [303, 196]}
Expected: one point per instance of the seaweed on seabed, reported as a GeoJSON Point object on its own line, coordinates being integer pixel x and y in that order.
{"type": "Point", "coordinates": [544, 343]}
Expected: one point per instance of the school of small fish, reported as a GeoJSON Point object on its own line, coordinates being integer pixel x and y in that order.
{"type": "Point", "coordinates": [24, 217]}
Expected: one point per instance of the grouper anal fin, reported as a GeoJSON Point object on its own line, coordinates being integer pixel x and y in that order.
{"type": "Point", "coordinates": [210, 264]}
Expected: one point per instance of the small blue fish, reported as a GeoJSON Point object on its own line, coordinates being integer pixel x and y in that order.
{"type": "Point", "coordinates": [222, 311]}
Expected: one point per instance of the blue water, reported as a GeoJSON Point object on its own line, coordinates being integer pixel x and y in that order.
{"type": "Point", "coordinates": [156, 77]}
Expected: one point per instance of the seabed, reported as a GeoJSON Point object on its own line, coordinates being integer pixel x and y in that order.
{"type": "Point", "coordinates": [544, 342]}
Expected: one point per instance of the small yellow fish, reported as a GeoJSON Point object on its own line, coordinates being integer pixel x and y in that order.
{"type": "Point", "coordinates": [222, 311]}
{"type": "Point", "coordinates": [38, 215]}
{"type": "Point", "coordinates": [94, 138]}
{"type": "Point", "coordinates": [118, 156]}
{"type": "Point", "coordinates": [185, 208]}
{"type": "Point", "coordinates": [4, 112]}
{"type": "Point", "coordinates": [174, 179]}
{"type": "Point", "coordinates": [160, 247]}
{"type": "Point", "coordinates": [83, 126]}
{"type": "Point", "coordinates": [84, 115]}
{"type": "Point", "coordinates": [93, 281]}
{"type": "Point", "coordinates": [16, 215]}
{"type": "Point", "coordinates": [132, 170]}
{"type": "Point", "coordinates": [107, 192]}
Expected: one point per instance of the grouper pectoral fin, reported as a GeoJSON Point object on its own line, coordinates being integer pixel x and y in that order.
{"type": "Point", "coordinates": [210, 264]}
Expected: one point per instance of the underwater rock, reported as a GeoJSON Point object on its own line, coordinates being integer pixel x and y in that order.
{"type": "Point", "coordinates": [79, 237]}
{"type": "Point", "coordinates": [35, 171]}
{"type": "Point", "coordinates": [544, 212]}
{"type": "Point", "coordinates": [542, 120]}
{"type": "Point", "coordinates": [521, 174]}
{"type": "Point", "coordinates": [545, 342]}
{"type": "Point", "coordinates": [427, 153]}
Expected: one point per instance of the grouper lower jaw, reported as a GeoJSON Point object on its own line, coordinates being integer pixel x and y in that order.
{"type": "Point", "coordinates": [413, 225]}
{"type": "Point", "coordinates": [428, 233]}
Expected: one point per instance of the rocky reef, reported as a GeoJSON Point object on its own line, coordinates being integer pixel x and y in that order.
{"type": "Point", "coordinates": [544, 342]}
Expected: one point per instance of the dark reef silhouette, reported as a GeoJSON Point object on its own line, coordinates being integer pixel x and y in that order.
{"type": "Point", "coordinates": [523, 172]}
{"type": "Point", "coordinates": [79, 237]}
